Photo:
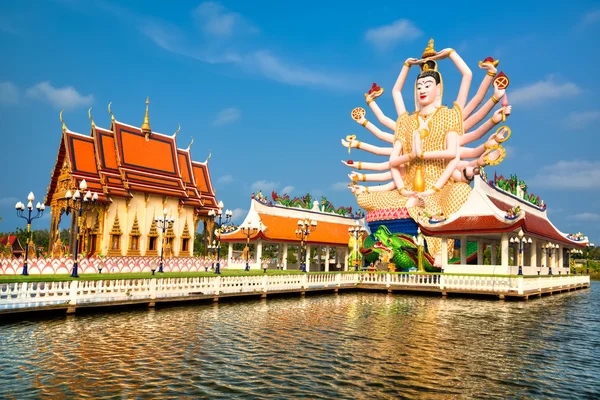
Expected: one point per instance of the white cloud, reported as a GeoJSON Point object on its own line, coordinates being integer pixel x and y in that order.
{"type": "Point", "coordinates": [8, 201]}
{"type": "Point", "coordinates": [584, 175]}
{"type": "Point", "coordinates": [9, 94]}
{"type": "Point", "coordinates": [386, 36]}
{"type": "Point", "coordinates": [580, 120]}
{"type": "Point", "coordinates": [215, 20]}
{"type": "Point", "coordinates": [67, 97]}
{"type": "Point", "coordinates": [238, 214]}
{"type": "Point", "coordinates": [227, 116]}
{"type": "Point", "coordinates": [590, 18]}
{"type": "Point", "coordinates": [541, 91]}
{"type": "Point", "coordinates": [587, 217]}
{"type": "Point", "coordinates": [264, 186]}
{"type": "Point", "coordinates": [340, 186]}
{"type": "Point", "coordinates": [225, 179]}
{"type": "Point", "coordinates": [287, 190]}
{"type": "Point", "coordinates": [276, 69]}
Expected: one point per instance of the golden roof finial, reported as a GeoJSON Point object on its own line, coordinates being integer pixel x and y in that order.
{"type": "Point", "coordinates": [91, 118]}
{"type": "Point", "coordinates": [146, 125]}
{"type": "Point", "coordinates": [64, 126]}
{"type": "Point", "coordinates": [429, 50]}
{"type": "Point", "coordinates": [112, 116]}
{"type": "Point", "coordinates": [209, 156]}
{"type": "Point", "coordinates": [191, 143]}
{"type": "Point", "coordinates": [178, 129]}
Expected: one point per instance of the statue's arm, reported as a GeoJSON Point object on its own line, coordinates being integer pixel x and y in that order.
{"type": "Point", "coordinates": [357, 144]}
{"type": "Point", "coordinates": [484, 110]}
{"type": "Point", "coordinates": [396, 157]}
{"type": "Point", "coordinates": [357, 189]}
{"type": "Point", "coordinates": [396, 171]}
{"type": "Point", "coordinates": [370, 166]}
{"type": "Point", "coordinates": [360, 177]}
{"type": "Point", "coordinates": [449, 153]}
{"type": "Point", "coordinates": [397, 89]}
{"type": "Point", "coordinates": [386, 137]}
{"type": "Point", "coordinates": [466, 73]}
{"type": "Point", "coordinates": [485, 127]}
{"type": "Point", "coordinates": [483, 88]}
{"type": "Point", "coordinates": [386, 121]}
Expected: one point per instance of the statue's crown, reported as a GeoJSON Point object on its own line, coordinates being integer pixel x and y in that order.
{"type": "Point", "coordinates": [429, 50]}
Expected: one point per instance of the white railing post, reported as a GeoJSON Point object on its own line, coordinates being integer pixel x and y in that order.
{"type": "Point", "coordinates": [73, 292]}
{"type": "Point", "coordinates": [520, 284]}
{"type": "Point", "coordinates": [304, 281]}
{"type": "Point", "coordinates": [153, 288]}
{"type": "Point", "coordinates": [442, 281]}
{"type": "Point", "coordinates": [217, 285]}
{"type": "Point", "coordinates": [338, 279]}
{"type": "Point", "coordinates": [265, 283]}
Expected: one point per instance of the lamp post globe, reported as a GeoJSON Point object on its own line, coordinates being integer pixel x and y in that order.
{"type": "Point", "coordinates": [20, 209]}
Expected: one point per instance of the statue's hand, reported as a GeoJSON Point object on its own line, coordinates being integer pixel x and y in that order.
{"type": "Point", "coordinates": [347, 164]}
{"type": "Point", "coordinates": [441, 54]}
{"type": "Point", "coordinates": [357, 189]}
{"type": "Point", "coordinates": [413, 61]}
{"type": "Point", "coordinates": [488, 66]}
{"type": "Point", "coordinates": [498, 93]}
{"type": "Point", "coordinates": [361, 120]}
{"type": "Point", "coordinates": [351, 143]}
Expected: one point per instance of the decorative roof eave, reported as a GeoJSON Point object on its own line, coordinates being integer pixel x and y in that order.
{"type": "Point", "coordinates": [58, 165]}
{"type": "Point", "coordinates": [484, 213]}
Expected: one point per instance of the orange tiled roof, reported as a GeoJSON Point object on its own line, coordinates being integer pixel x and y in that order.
{"type": "Point", "coordinates": [117, 161]}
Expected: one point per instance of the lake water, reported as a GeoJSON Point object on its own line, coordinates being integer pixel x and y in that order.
{"type": "Point", "coordinates": [347, 346]}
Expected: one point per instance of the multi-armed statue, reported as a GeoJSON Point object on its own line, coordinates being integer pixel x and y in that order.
{"type": "Point", "coordinates": [429, 166]}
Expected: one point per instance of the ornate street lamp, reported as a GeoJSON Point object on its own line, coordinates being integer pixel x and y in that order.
{"type": "Point", "coordinates": [356, 232]}
{"type": "Point", "coordinates": [211, 250]}
{"type": "Point", "coordinates": [305, 228]}
{"type": "Point", "coordinates": [79, 204]}
{"type": "Point", "coordinates": [522, 241]}
{"type": "Point", "coordinates": [163, 224]}
{"type": "Point", "coordinates": [219, 213]}
{"type": "Point", "coordinates": [20, 207]}
{"type": "Point", "coordinates": [248, 230]}
{"type": "Point", "coordinates": [549, 250]}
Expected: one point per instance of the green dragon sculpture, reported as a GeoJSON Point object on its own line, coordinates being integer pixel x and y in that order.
{"type": "Point", "coordinates": [403, 247]}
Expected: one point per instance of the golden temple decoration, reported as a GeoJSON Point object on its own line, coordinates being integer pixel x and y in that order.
{"type": "Point", "coordinates": [178, 129]}
{"type": "Point", "coordinates": [170, 232]}
{"type": "Point", "coordinates": [146, 125]}
{"type": "Point", "coordinates": [64, 126]}
{"type": "Point", "coordinates": [135, 229]}
{"type": "Point", "coordinates": [91, 118]}
{"type": "Point", "coordinates": [429, 50]}
{"type": "Point", "coordinates": [190, 145]}
{"type": "Point", "coordinates": [186, 231]}
{"type": "Point", "coordinates": [112, 116]}
{"type": "Point", "coordinates": [96, 230]}
{"type": "Point", "coordinates": [134, 238]}
{"type": "Point", "coordinates": [116, 228]}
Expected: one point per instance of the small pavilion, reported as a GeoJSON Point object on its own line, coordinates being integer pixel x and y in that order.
{"type": "Point", "coordinates": [276, 224]}
{"type": "Point", "coordinates": [495, 217]}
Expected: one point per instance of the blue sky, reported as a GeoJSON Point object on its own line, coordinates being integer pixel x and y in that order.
{"type": "Point", "coordinates": [268, 87]}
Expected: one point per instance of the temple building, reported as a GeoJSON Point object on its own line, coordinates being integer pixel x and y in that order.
{"type": "Point", "coordinates": [137, 173]}
{"type": "Point", "coordinates": [276, 223]}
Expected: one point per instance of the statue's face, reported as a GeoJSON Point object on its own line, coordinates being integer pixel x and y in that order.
{"type": "Point", "coordinates": [427, 90]}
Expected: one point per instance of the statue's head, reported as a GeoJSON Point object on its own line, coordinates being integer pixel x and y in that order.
{"type": "Point", "coordinates": [428, 88]}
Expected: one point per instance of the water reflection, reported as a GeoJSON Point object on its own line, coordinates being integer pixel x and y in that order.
{"type": "Point", "coordinates": [365, 345]}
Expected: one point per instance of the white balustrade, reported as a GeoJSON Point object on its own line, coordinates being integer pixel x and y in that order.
{"type": "Point", "coordinates": [35, 294]}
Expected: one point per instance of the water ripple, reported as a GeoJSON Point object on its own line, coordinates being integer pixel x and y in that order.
{"type": "Point", "coordinates": [347, 346]}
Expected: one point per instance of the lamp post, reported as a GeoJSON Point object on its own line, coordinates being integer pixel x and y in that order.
{"type": "Point", "coordinates": [20, 207]}
{"type": "Point", "coordinates": [219, 213]}
{"type": "Point", "coordinates": [78, 203]}
{"type": "Point", "coordinates": [163, 224]}
{"type": "Point", "coordinates": [356, 231]}
{"type": "Point", "coordinates": [522, 241]}
{"type": "Point", "coordinates": [211, 250]}
{"type": "Point", "coordinates": [248, 230]}
{"type": "Point", "coordinates": [305, 228]}
{"type": "Point", "coordinates": [549, 250]}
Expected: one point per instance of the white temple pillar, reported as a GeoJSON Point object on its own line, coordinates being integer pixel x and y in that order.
{"type": "Point", "coordinates": [444, 254]}
{"type": "Point", "coordinates": [258, 254]}
{"type": "Point", "coordinates": [229, 254]}
{"type": "Point", "coordinates": [327, 259]}
{"type": "Point", "coordinates": [480, 250]}
{"type": "Point", "coordinates": [493, 254]}
{"type": "Point", "coordinates": [307, 258]}
{"type": "Point", "coordinates": [504, 251]}
{"type": "Point", "coordinates": [463, 250]}
{"type": "Point", "coordinates": [284, 257]}
{"type": "Point", "coordinates": [345, 258]}
{"type": "Point", "coordinates": [533, 253]}
{"type": "Point", "coordinates": [544, 257]}
{"type": "Point", "coordinates": [559, 256]}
